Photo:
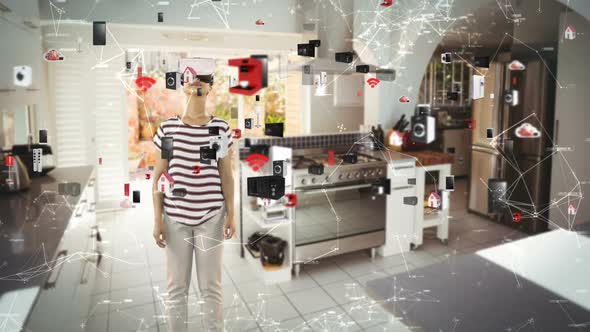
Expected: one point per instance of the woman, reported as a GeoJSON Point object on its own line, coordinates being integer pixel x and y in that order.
{"type": "Point", "coordinates": [193, 216]}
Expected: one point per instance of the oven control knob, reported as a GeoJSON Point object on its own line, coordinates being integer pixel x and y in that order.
{"type": "Point", "coordinates": [327, 179]}
{"type": "Point", "coordinates": [357, 175]}
{"type": "Point", "coordinates": [379, 172]}
{"type": "Point", "coordinates": [372, 172]}
{"type": "Point", "coordinates": [312, 180]}
{"type": "Point", "coordinates": [341, 176]}
{"type": "Point", "coordinates": [364, 173]}
{"type": "Point", "coordinates": [303, 181]}
{"type": "Point", "coordinates": [349, 176]}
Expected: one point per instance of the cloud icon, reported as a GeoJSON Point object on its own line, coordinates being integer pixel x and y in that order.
{"type": "Point", "coordinates": [516, 65]}
{"type": "Point", "coordinates": [527, 130]}
{"type": "Point", "coordinates": [53, 55]}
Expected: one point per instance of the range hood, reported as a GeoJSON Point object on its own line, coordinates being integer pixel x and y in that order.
{"type": "Point", "coordinates": [335, 35]}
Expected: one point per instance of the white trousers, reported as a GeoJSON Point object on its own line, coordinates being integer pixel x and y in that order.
{"type": "Point", "coordinates": [206, 242]}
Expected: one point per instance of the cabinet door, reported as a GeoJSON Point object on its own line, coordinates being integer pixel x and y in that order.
{"type": "Point", "coordinates": [400, 217]}
{"type": "Point", "coordinates": [58, 307]}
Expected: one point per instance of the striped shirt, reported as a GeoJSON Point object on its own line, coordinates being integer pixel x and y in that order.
{"type": "Point", "coordinates": [204, 198]}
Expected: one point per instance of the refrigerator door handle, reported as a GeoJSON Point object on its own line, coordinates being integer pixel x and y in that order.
{"type": "Point", "coordinates": [484, 149]}
{"type": "Point", "coordinates": [556, 138]}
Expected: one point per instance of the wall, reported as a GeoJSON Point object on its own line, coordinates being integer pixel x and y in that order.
{"type": "Point", "coordinates": [278, 15]}
{"type": "Point", "coordinates": [22, 46]}
{"type": "Point", "coordinates": [571, 106]}
{"type": "Point", "coordinates": [400, 37]}
{"type": "Point", "coordinates": [325, 117]}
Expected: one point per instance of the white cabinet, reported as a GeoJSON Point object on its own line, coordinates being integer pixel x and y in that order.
{"type": "Point", "coordinates": [399, 227]}
{"type": "Point", "coordinates": [71, 273]}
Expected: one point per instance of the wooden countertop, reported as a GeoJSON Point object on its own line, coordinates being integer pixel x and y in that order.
{"type": "Point", "coordinates": [427, 157]}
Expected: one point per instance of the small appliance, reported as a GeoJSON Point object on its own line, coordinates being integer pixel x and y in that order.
{"type": "Point", "coordinates": [13, 173]}
{"type": "Point", "coordinates": [44, 163]}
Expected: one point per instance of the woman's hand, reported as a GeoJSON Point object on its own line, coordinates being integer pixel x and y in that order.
{"type": "Point", "coordinates": [160, 234]}
{"type": "Point", "coordinates": [229, 227]}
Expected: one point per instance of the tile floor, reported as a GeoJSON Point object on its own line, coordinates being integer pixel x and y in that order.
{"type": "Point", "coordinates": [329, 296]}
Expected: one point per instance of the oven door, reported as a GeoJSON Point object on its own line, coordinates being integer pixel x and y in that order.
{"type": "Point", "coordinates": [337, 212]}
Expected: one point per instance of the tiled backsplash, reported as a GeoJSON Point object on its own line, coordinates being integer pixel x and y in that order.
{"type": "Point", "coordinates": [311, 141]}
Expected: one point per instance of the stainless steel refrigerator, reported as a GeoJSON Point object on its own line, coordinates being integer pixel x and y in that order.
{"type": "Point", "coordinates": [522, 160]}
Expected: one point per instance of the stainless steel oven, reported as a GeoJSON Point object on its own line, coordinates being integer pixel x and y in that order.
{"type": "Point", "coordinates": [339, 211]}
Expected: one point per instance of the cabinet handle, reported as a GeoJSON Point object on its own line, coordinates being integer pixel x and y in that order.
{"type": "Point", "coordinates": [51, 284]}
{"type": "Point", "coordinates": [402, 188]}
{"type": "Point", "coordinates": [403, 167]}
{"type": "Point", "coordinates": [79, 211]}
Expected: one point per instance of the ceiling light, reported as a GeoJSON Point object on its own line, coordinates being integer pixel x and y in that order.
{"type": "Point", "coordinates": [163, 3]}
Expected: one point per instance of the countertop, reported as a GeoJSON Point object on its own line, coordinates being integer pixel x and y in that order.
{"type": "Point", "coordinates": [32, 224]}
{"type": "Point", "coordinates": [424, 157]}
{"type": "Point", "coordinates": [387, 155]}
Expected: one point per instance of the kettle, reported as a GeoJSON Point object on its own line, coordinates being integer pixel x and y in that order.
{"type": "Point", "coordinates": [13, 174]}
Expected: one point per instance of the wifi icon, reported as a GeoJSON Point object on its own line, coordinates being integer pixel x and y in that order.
{"type": "Point", "coordinates": [373, 81]}
{"type": "Point", "coordinates": [144, 83]}
{"type": "Point", "coordinates": [256, 160]}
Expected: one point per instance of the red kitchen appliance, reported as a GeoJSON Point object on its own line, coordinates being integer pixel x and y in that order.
{"type": "Point", "coordinates": [254, 71]}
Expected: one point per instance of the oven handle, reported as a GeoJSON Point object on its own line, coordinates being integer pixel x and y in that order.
{"type": "Point", "coordinates": [331, 189]}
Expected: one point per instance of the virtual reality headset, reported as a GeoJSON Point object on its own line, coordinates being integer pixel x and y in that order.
{"type": "Point", "coordinates": [192, 69]}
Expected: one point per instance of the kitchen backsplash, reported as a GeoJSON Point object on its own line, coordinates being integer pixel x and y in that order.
{"type": "Point", "coordinates": [310, 141]}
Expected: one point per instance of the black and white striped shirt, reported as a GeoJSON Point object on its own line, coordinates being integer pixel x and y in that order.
{"type": "Point", "coordinates": [204, 198]}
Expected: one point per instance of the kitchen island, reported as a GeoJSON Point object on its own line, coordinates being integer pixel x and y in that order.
{"type": "Point", "coordinates": [41, 230]}
{"type": "Point", "coordinates": [405, 218]}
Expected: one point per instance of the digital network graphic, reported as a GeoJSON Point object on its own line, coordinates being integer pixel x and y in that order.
{"type": "Point", "coordinates": [431, 18]}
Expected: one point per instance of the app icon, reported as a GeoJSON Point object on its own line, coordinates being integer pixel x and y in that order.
{"type": "Point", "coordinates": [53, 55]}
{"type": "Point", "coordinates": [516, 65]}
{"type": "Point", "coordinates": [386, 3]}
{"type": "Point", "coordinates": [404, 99]}
{"type": "Point", "coordinates": [527, 130]}
{"type": "Point", "coordinates": [571, 209]}
{"type": "Point", "coordinates": [569, 33]}
{"type": "Point", "coordinates": [516, 217]}
{"type": "Point", "coordinates": [373, 82]}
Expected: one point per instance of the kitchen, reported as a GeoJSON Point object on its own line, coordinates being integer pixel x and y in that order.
{"type": "Point", "coordinates": [375, 167]}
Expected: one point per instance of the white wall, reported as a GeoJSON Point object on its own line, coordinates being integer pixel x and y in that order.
{"type": "Point", "coordinates": [22, 46]}
{"type": "Point", "coordinates": [278, 15]}
{"type": "Point", "coordinates": [325, 117]}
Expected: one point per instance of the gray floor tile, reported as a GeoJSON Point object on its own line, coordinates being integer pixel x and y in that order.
{"type": "Point", "coordinates": [97, 323]}
{"type": "Point", "coordinates": [357, 267]}
{"type": "Point", "coordinates": [367, 313]}
{"type": "Point", "coordinates": [345, 291]}
{"type": "Point", "coordinates": [131, 297]}
{"type": "Point", "coordinates": [303, 281]}
{"type": "Point", "coordinates": [331, 319]}
{"type": "Point", "coordinates": [238, 318]}
{"type": "Point", "coordinates": [99, 304]}
{"type": "Point", "coordinates": [393, 325]}
{"type": "Point", "coordinates": [128, 279]}
{"type": "Point", "coordinates": [362, 280]}
{"type": "Point", "coordinates": [242, 274]}
{"type": "Point", "coordinates": [389, 261]}
{"type": "Point", "coordinates": [311, 300]}
{"type": "Point", "coordinates": [291, 325]}
{"type": "Point", "coordinates": [138, 318]}
{"type": "Point", "coordinates": [251, 291]}
{"type": "Point", "coordinates": [273, 309]}
{"type": "Point", "coordinates": [327, 272]}
{"type": "Point", "coordinates": [400, 269]}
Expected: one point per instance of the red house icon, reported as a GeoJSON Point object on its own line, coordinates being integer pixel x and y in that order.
{"type": "Point", "coordinates": [189, 75]}
{"type": "Point", "coordinates": [569, 33]}
{"type": "Point", "coordinates": [165, 183]}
